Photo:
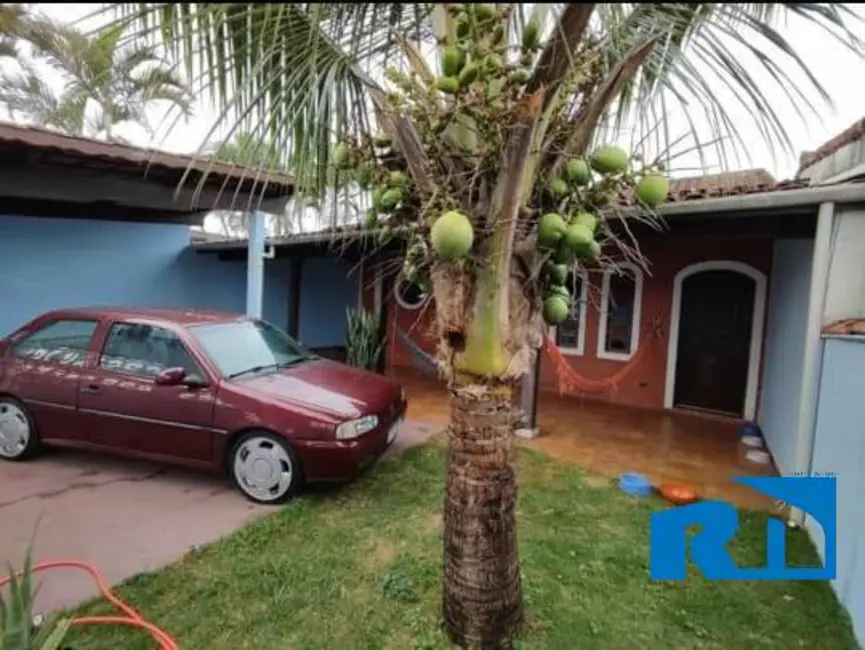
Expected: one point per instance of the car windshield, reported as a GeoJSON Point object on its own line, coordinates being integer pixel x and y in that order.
{"type": "Point", "coordinates": [248, 346]}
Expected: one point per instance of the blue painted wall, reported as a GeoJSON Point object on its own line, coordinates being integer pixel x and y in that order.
{"type": "Point", "coordinates": [784, 348]}
{"type": "Point", "coordinates": [328, 288]}
{"type": "Point", "coordinates": [839, 447]}
{"type": "Point", "coordinates": [53, 263]}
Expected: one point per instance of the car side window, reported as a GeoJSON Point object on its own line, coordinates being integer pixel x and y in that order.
{"type": "Point", "coordinates": [145, 351]}
{"type": "Point", "coordinates": [63, 341]}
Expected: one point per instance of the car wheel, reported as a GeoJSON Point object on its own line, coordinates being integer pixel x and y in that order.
{"type": "Point", "coordinates": [265, 468]}
{"type": "Point", "coordinates": [19, 439]}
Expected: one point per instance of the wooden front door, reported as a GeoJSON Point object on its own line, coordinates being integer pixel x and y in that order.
{"type": "Point", "coordinates": [715, 319]}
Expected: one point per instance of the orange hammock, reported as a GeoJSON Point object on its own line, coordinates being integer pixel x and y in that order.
{"type": "Point", "coordinates": [568, 380]}
{"type": "Point", "coordinates": [571, 382]}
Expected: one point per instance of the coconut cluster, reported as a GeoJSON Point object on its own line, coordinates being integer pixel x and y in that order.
{"type": "Point", "coordinates": [462, 116]}
{"type": "Point", "coordinates": [568, 236]}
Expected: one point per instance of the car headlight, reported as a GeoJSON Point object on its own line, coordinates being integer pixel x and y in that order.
{"type": "Point", "coordinates": [356, 428]}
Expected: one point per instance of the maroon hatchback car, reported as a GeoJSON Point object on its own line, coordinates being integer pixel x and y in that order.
{"type": "Point", "coordinates": [202, 389]}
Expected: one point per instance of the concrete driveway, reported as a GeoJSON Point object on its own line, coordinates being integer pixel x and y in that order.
{"type": "Point", "coordinates": [124, 517]}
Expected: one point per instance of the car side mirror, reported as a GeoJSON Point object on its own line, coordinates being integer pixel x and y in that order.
{"type": "Point", "coordinates": [170, 377]}
{"type": "Point", "coordinates": [194, 382]}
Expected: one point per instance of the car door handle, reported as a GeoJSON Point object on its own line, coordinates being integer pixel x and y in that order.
{"type": "Point", "coordinates": [91, 389]}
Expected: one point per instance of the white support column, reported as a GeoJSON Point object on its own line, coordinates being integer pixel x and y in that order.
{"type": "Point", "coordinates": [255, 265]}
{"type": "Point", "coordinates": [820, 264]}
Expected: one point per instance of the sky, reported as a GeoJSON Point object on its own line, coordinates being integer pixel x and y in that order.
{"type": "Point", "coordinates": [836, 68]}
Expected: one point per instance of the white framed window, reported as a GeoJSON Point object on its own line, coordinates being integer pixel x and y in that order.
{"type": "Point", "coordinates": [619, 325]}
{"type": "Point", "coordinates": [408, 295]}
{"type": "Point", "coordinates": [570, 336]}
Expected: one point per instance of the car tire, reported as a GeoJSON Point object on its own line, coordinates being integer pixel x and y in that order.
{"type": "Point", "coordinates": [264, 468]}
{"type": "Point", "coordinates": [16, 422]}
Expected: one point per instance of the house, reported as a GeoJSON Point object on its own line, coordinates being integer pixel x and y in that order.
{"type": "Point", "coordinates": [84, 222]}
{"type": "Point", "coordinates": [725, 321]}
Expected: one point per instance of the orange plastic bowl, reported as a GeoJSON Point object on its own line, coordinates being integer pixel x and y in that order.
{"type": "Point", "coordinates": [679, 493]}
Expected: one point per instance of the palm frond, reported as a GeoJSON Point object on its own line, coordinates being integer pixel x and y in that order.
{"type": "Point", "coordinates": [299, 75]}
{"type": "Point", "coordinates": [99, 69]}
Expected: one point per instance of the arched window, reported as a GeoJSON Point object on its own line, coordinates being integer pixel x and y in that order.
{"type": "Point", "coordinates": [619, 326]}
{"type": "Point", "coordinates": [408, 294]}
{"type": "Point", "coordinates": [570, 336]}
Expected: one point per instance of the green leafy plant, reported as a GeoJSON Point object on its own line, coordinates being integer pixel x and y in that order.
{"type": "Point", "coordinates": [17, 631]}
{"type": "Point", "coordinates": [364, 340]}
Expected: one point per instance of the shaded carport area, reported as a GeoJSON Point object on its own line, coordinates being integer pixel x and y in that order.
{"type": "Point", "coordinates": [124, 517]}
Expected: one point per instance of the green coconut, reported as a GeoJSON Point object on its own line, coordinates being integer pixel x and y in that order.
{"type": "Point", "coordinates": [652, 189]}
{"type": "Point", "coordinates": [578, 237]}
{"type": "Point", "coordinates": [370, 219]}
{"type": "Point", "coordinates": [340, 155]}
{"type": "Point", "coordinates": [558, 188]}
{"type": "Point", "coordinates": [519, 76]}
{"type": "Point", "coordinates": [531, 34]}
{"type": "Point", "coordinates": [586, 219]}
{"type": "Point", "coordinates": [449, 85]}
{"type": "Point", "coordinates": [561, 290]}
{"type": "Point", "coordinates": [558, 273]}
{"type": "Point", "coordinates": [397, 179]}
{"type": "Point", "coordinates": [390, 198]}
{"type": "Point", "coordinates": [484, 13]}
{"type": "Point", "coordinates": [452, 236]}
{"type": "Point", "coordinates": [577, 171]}
{"type": "Point", "coordinates": [492, 63]}
{"type": "Point", "coordinates": [551, 228]}
{"type": "Point", "coordinates": [452, 61]}
{"type": "Point", "coordinates": [377, 195]}
{"type": "Point", "coordinates": [610, 160]}
{"type": "Point", "coordinates": [592, 252]}
{"type": "Point", "coordinates": [556, 310]}
{"type": "Point", "coordinates": [469, 74]}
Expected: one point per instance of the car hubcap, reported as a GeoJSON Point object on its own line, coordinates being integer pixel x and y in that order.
{"type": "Point", "coordinates": [263, 469]}
{"type": "Point", "coordinates": [14, 430]}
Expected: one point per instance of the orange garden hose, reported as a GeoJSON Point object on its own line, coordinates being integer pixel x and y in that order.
{"type": "Point", "coordinates": [131, 618]}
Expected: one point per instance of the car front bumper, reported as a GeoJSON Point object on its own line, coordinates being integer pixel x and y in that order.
{"type": "Point", "coordinates": [342, 460]}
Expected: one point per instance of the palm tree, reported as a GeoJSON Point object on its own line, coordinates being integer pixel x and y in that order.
{"type": "Point", "coordinates": [475, 159]}
{"type": "Point", "coordinates": [120, 80]}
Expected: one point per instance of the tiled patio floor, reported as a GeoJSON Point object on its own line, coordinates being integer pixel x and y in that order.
{"type": "Point", "coordinates": [610, 440]}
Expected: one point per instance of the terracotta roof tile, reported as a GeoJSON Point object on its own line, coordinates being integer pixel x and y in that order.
{"type": "Point", "coordinates": [727, 184]}
{"type": "Point", "coordinates": [713, 186]}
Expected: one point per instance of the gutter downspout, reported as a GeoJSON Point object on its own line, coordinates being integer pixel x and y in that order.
{"type": "Point", "coordinates": [812, 366]}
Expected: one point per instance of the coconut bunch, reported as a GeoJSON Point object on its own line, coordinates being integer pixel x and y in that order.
{"type": "Point", "coordinates": [460, 117]}
{"type": "Point", "coordinates": [569, 236]}
{"type": "Point", "coordinates": [375, 167]}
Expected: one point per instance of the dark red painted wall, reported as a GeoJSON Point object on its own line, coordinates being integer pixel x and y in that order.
{"type": "Point", "coordinates": [644, 384]}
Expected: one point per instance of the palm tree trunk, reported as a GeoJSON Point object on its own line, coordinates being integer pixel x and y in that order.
{"type": "Point", "coordinates": [483, 604]}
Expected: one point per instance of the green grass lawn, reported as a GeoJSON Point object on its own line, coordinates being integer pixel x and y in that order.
{"type": "Point", "coordinates": [360, 568]}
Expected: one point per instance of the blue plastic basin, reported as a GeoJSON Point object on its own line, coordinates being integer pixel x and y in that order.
{"type": "Point", "coordinates": [635, 484]}
{"type": "Point", "coordinates": [750, 429]}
